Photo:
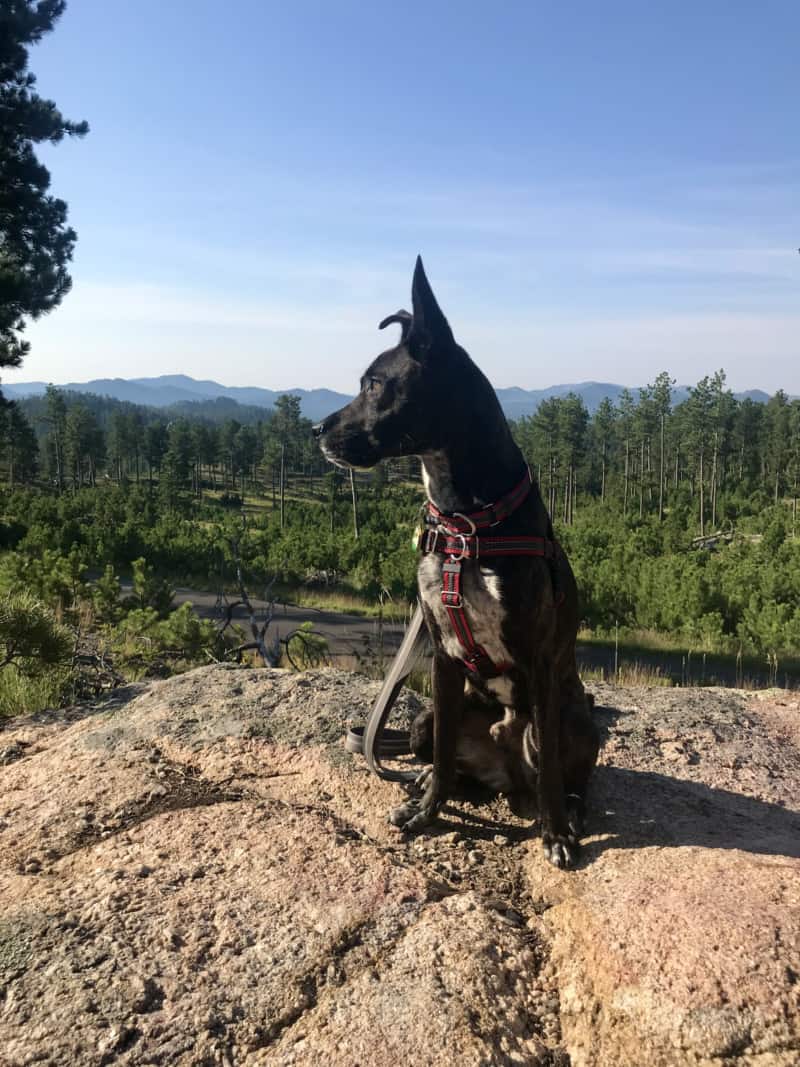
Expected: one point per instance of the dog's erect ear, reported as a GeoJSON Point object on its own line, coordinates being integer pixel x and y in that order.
{"type": "Point", "coordinates": [429, 324]}
{"type": "Point", "coordinates": [402, 317]}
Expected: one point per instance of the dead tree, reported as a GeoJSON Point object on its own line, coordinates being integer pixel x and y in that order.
{"type": "Point", "coordinates": [259, 621]}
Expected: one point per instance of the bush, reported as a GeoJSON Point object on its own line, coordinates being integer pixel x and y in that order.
{"type": "Point", "coordinates": [35, 654]}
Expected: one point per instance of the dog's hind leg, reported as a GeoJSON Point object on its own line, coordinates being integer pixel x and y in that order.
{"type": "Point", "coordinates": [448, 701]}
{"type": "Point", "coordinates": [579, 744]}
{"type": "Point", "coordinates": [559, 841]}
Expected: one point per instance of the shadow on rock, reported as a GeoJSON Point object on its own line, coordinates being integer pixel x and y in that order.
{"type": "Point", "coordinates": [643, 809]}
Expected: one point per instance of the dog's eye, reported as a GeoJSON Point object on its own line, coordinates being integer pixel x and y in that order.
{"type": "Point", "coordinates": [372, 384]}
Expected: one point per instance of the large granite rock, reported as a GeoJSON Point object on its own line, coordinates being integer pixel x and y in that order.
{"type": "Point", "coordinates": [195, 873]}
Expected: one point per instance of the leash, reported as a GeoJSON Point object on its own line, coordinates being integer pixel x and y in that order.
{"type": "Point", "coordinates": [374, 741]}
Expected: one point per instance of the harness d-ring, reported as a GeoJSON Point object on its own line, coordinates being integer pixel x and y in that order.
{"type": "Point", "coordinates": [463, 537]}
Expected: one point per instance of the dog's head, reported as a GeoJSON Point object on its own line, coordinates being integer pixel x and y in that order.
{"type": "Point", "coordinates": [397, 413]}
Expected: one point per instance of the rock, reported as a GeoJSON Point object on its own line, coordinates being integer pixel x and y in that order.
{"type": "Point", "coordinates": [678, 942]}
{"type": "Point", "coordinates": [221, 886]}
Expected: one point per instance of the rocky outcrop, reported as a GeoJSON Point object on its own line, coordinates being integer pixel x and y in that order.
{"type": "Point", "coordinates": [196, 873]}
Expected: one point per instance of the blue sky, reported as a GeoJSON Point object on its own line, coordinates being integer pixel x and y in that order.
{"type": "Point", "coordinates": [599, 191]}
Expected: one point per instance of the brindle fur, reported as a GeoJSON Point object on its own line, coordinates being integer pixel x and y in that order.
{"type": "Point", "coordinates": [426, 397]}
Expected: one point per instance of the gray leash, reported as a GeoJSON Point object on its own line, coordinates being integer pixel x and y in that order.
{"type": "Point", "coordinates": [373, 740]}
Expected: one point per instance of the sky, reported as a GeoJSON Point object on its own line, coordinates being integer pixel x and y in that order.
{"type": "Point", "coordinates": [599, 191]}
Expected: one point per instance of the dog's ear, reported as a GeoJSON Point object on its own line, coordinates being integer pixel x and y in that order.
{"type": "Point", "coordinates": [402, 317]}
{"type": "Point", "coordinates": [429, 325]}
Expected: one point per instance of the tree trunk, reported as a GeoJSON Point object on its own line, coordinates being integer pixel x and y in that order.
{"type": "Point", "coordinates": [283, 484]}
{"type": "Point", "coordinates": [702, 502]}
{"type": "Point", "coordinates": [355, 503]}
{"type": "Point", "coordinates": [714, 484]}
{"type": "Point", "coordinates": [627, 469]}
{"type": "Point", "coordinates": [661, 473]}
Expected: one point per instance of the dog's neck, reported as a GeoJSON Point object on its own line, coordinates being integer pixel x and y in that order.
{"type": "Point", "coordinates": [478, 473]}
{"type": "Point", "coordinates": [479, 461]}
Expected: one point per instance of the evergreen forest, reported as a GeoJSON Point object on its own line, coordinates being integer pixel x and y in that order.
{"type": "Point", "coordinates": [680, 521]}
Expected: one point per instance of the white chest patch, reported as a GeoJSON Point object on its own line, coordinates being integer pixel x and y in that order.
{"type": "Point", "coordinates": [481, 592]}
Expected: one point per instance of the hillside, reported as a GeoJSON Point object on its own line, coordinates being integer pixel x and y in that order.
{"type": "Point", "coordinates": [315, 404]}
{"type": "Point", "coordinates": [196, 873]}
{"type": "Point", "coordinates": [171, 389]}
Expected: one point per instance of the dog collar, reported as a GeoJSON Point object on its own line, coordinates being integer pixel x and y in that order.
{"type": "Point", "coordinates": [491, 515]}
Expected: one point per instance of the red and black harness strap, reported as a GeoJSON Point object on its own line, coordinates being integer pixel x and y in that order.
{"type": "Point", "coordinates": [491, 515]}
{"type": "Point", "coordinates": [456, 538]}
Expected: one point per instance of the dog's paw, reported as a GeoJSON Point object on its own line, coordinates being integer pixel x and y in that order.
{"type": "Point", "coordinates": [414, 815]}
{"type": "Point", "coordinates": [560, 850]}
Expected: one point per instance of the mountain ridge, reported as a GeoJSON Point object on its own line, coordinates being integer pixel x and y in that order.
{"type": "Point", "coordinates": [167, 389]}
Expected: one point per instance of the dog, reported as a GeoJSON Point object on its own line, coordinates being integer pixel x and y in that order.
{"type": "Point", "coordinates": [510, 769]}
{"type": "Point", "coordinates": [498, 594]}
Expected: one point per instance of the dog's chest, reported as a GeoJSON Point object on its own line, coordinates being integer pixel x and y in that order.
{"type": "Point", "coordinates": [482, 596]}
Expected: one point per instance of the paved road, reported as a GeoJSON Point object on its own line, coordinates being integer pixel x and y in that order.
{"type": "Point", "coordinates": [347, 635]}
{"type": "Point", "coordinates": [351, 636]}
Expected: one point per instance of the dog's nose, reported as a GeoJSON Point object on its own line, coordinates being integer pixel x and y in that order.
{"type": "Point", "coordinates": [317, 429]}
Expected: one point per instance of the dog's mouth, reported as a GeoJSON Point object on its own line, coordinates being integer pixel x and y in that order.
{"type": "Point", "coordinates": [351, 451]}
{"type": "Point", "coordinates": [343, 464]}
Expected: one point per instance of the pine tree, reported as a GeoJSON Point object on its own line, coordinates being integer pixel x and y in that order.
{"type": "Point", "coordinates": [35, 242]}
{"type": "Point", "coordinates": [19, 441]}
{"type": "Point", "coordinates": [56, 419]}
{"type": "Point", "coordinates": [603, 434]}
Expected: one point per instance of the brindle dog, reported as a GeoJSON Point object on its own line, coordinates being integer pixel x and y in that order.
{"type": "Point", "coordinates": [425, 397]}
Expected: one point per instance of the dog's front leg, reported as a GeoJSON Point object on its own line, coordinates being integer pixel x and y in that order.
{"type": "Point", "coordinates": [559, 842]}
{"type": "Point", "coordinates": [448, 702]}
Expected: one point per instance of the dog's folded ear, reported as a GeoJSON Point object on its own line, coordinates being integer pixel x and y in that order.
{"type": "Point", "coordinates": [429, 327]}
{"type": "Point", "coordinates": [402, 317]}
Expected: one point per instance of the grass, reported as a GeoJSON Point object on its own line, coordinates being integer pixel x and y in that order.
{"type": "Point", "coordinates": [21, 694]}
{"type": "Point", "coordinates": [629, 674]}
{"type": "Point", "coordinates": [639, 640]}
{"type": "Point", "coordinates": [699, 658]}
{"type": "Point", "coordinates": [347, 603]}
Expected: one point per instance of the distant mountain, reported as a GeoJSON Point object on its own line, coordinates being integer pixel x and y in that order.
{"type": "Point", "coordinates": [315, 404]}
{"type": "Point", "coordinates": [169, 389]}
{"type": "Point", "coordinates": [517, 402]}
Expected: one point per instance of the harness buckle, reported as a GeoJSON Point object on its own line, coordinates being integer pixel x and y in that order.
{"type": "Point", "coordinates": [429, 540]}
{"type": "Point", "coordinates": [451, 598]}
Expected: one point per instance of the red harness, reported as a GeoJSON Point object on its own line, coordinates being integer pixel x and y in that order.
{"type": "Point", "coordinates": [457, 538]}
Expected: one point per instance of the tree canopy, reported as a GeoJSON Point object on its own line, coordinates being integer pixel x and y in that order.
{"type": "Point", "coordinates": [36, 244]}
